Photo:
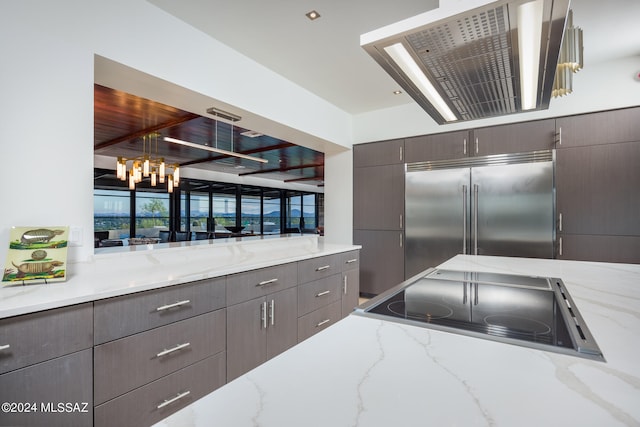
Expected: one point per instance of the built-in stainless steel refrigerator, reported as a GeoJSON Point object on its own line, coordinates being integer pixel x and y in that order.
{"type": "Point", "coordinates": [492, 205]}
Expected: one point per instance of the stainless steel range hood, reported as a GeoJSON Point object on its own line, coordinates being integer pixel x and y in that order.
{"type": "Point", "coordinates": [474, 59]}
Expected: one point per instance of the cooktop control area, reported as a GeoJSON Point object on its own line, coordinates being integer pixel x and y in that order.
{"type": "Point", "coordinates": [524, 310]}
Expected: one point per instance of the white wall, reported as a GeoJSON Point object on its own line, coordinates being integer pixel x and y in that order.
{"type": "Point", "coordinates": [46, 101]}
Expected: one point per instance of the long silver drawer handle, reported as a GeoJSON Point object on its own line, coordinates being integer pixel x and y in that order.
{"type": "Point", "coordinates": [267, 282]}
{"type": "Point", "coordinates": [175, 304]}
{"type": "Point", "coordinates": [323, 293]}
{"type": "Point", "coordinates": [171, 350]}
{"type": "Point", "coordinates": [323, 322]}
{"type": "Point", "coordinates": [344, 286]}
{"type": "Point", "coordinates": [351, 261]}
{"type": "Point", "coordinates": [324, 267]}
{"type": "Point", "coordinates": [4, 347]}
{"type": "Point", "coordinates": [173, 399]}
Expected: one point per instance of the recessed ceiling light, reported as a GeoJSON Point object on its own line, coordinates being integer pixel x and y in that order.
{"type": "Point", "coordinates": [313, 15]}
{"type": "Point", "coordinates": [397, 92]}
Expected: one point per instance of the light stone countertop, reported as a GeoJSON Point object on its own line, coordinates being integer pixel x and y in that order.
{"type": "Point", "coordinates": [124, 270]}
{"type": "Point", "coordinates": [372, 373]}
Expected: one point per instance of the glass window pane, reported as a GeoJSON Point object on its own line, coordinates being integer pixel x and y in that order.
{"type": "Point", "coordinates": [111, 213]}
{"type": "Point", "coordinates": [152, 213]}
{"type": "Point", "coordinates": [271, 209]}
{"type": "Point", "coordinates": [224, 211]}
{"type": "Point", "coordinates": [309, 211]}
{"type": "Point", "coordinates": [199, 211]}
{"type": "Point", "coordinates": [250, 210]}
{"type": "Point", "coordinates": [294, 210]}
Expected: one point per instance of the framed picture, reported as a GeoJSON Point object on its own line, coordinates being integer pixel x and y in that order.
{"type": "Point", "coordinates": [36, 255]}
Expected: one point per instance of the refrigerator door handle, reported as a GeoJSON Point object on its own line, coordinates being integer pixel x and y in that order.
{"type": "Point", "coordinates": [475, 219]}
{"type": "Point", "coordinates": [464, 219]}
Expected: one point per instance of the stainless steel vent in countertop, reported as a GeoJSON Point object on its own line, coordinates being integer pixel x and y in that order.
{"type": "Point", "coordinates": [474, 59]}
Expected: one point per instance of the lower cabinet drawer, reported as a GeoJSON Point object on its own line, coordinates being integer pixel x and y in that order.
{"type": "Point", "coordinates": [318, 320]}
{"type": "Point", "coordinates": [127, 363]}
{"type": "Point", "coordinates": [36, 337]}
{"type": "Point", "coordinates": [130, 314]}
{"type": "Point", "coordinates": [319, 293]}
{"type": "Point", "coordinates": [153, 402]}
{"type": "Point", "coordinates": [58, 392]}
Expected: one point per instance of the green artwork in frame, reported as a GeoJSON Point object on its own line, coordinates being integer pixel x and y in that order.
{"type": "Point", "coordinates": [36, 255]}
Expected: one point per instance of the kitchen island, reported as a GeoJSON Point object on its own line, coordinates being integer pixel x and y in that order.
{"type": "Point", "coordinates": [368, 372]}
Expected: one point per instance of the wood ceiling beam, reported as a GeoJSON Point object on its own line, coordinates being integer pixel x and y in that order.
{"type": "Point", "coordinates": [146, 131]}
{"type": "Point", "coordinates": [307, 178]}
{"type": "Point", "coordinates": [285, 169]}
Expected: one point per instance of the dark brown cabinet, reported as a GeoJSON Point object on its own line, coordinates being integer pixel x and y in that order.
{"type": "Point", "coordinates": [379, 153]}
{"type": "Point", "coordinates": [46, 360]}
{"type": "Point", "coordinates": [151, 403]}
{"type": "Point", "coordinates": [597, 191]}
{"type": "Point", "coordinates": [598, 202]}
{"type": "Point", "coordinates": [259, 329]}
{"type": "Point", "coordinates": [378, 197]}
{"type": "Point", "coordinates": [44, 386]}
{"type": "Point", "coordinates": [442, 146]}
{"type": "Point", "coordinates": [513, 138]}
{"type": "Point", "coordinates": [381, 259]}
{"type": "Point", "coordinates": [378, 207]}
{"type": "Point", "coordinates": [606, 127]}
{"type": "Point", "coordinates": [350, 281]}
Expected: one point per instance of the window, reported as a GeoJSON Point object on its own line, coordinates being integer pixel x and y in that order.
{"type": "Point", "coordinates": [294, 211]}
{"type": "Point", "coordinates": [198, 211]}
{"type": "Point", "coordinates": [251, 210]}
{"type": "Point", "coordinates": [271, 212]}
{"type": "Point", "coordinates": [112, 213]}
{"type": "Point", "coordinates": [309, 211]}
{"type": "Point", "coordinates": [152, 213]}
{"type": "Point", "coordinates": [196, 206]}
{"type": "Point", "coordinates": [224, 210]}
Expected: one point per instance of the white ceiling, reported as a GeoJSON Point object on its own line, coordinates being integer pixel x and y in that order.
{"type": "Point", "coordinates": [324, 56]}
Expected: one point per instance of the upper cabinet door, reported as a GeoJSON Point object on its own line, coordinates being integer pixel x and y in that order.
{"type": "Point", "coordinates": [607, 127]}
{"type": "Point", "coordinates": [442, 146]}
{"type": "Point", "coordinates": [378, 197]}
{"type": "Point", "coordinates": [379, 153]}
{"type": "Point", "coordinates": [514, 138]}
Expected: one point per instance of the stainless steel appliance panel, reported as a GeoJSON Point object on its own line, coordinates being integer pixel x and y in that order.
{"type": "Point", "coordinates": [437, 215]}
{"type": "Point", "coordinates": [513, 210]}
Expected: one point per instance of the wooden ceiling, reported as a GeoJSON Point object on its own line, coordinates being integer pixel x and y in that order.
{"type": "Point", "coordinates": [123, 123]}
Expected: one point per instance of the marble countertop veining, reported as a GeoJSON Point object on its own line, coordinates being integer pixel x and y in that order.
{"type": "Point", "coordinates": [119, 271]}
{"type": "Point", "coordinates": [370, 373]}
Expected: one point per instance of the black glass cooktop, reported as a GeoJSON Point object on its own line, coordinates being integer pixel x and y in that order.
{"type": "Point", "coordinates": [504, 323]}
{"type": "Point", "coordinates": [531, 311]}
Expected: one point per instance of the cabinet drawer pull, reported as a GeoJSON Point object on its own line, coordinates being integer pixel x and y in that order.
{"type": "Point", "coordinates": [323, 322]}
{"type": "Point", "coordinates": [4, 347]}
{"type": "Point", "coordinates": [323, 293]}
{"type": "Point", "coordinates": [173, 399]}
{"type": "Point", "coordinates": [171, 350]}
{"type": "Point", "coordinates": [175, 304]}
{"type": "Point", "coordinates": [344, 285]}
{"type": "Point", "coordinates": [351, 261]}
{"type": "Point", "coordinates": [267, 282]}
{"type": "Point", "coordinates": [324, 267]}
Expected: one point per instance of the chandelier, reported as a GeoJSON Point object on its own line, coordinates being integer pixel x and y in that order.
{"type": "Point", "coordinates": [570, 60]}
{"type": "Point", "coordinates": [135, 169]}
